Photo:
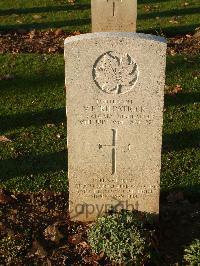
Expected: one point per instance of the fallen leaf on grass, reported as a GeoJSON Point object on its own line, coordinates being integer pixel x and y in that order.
{"type": "Point", "coordinates": [50, 125]}
{"type": "Point", "coordinates": [185, 4]}
{"type": "Point", "coordinates": [147, 8]}
{"type": "Point", "coordinates": [37, 16]}
{"type": "Point", "coordinates": [7, 77]}
{"type": "Point", "coordinates": [172, 52]}
{"type": "Point", "coordinates": [72, 2]}
{"type": "Point", "coordinates": [19, 21]}
{"type": "Point", "coordinates": [174, 20]}
{"type": "Point", "coordinates": [173, 90]}
{"type": "Point", "coordinates": [59, 136]}
{"type": "Point", "coordinates": [4, 139]}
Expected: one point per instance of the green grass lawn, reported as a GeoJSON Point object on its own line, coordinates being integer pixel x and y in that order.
{"type": "Point", "coordinates": [32, 105]}
{"type": "Point", "coordinates": [154, 16]}
{"type": "Point", "coordinates": [181, 132]}
{"type": "Point", "coordinates": [32, 115]}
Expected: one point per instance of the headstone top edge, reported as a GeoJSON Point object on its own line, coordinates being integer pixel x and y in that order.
{"type": "Point", "coordinates": [97, 35]}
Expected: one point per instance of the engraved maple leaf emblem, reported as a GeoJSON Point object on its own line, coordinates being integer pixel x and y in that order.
{"type": "Point", "coordinates": [115, 73]}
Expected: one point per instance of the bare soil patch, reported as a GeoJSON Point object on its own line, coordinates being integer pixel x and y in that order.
{"type": "Point", "coordinates": [35, 228]}
{"type": "Point", "coordinates": [52, 41]}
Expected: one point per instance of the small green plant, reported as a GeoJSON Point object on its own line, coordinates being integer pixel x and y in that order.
{"type": "Point", "coordinates": [122, 237]}
{"type": "Point", "coordinates": [192, 253]}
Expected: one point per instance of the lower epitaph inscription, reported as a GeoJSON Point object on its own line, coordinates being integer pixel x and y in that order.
{"type": "Point", "coordinates": [114, 122]}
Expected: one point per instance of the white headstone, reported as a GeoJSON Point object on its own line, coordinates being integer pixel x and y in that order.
{"type": "Point", "coordinates": [115, 91]}
{"type": "Point", "coordinates": [114, 15]}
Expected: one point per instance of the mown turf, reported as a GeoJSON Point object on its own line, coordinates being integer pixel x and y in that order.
{"type": "Point", "coordinates": [181, 132]}
{"type": "Point", "coordinates": [32, 109]}
{"type": "Point", "coordinates": [159, 17]}
{"type": "Point", "coordinates": [32, 115]}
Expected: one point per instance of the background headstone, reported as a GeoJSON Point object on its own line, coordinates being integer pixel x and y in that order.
{"type": "Point", "coordinates": [114, 15]}
{"type": "Point", "coordinates": [115, 91]}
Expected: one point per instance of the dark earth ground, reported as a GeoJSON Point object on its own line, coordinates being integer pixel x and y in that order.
{"type": "Point", "coordinates": [51, 41]}
{"type": "Point", "coordinates": [36, 228]}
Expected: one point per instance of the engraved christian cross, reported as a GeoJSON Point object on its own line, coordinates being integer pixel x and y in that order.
{"type": "Point", "coordinates": [114, 148]}
{"type": "Point", "coordinates": [114, 5]}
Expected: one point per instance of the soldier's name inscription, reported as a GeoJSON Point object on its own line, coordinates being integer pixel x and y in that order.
{"type": "Point", "coordinates": [114, 112]}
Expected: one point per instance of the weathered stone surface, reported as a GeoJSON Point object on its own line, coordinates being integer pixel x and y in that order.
{"type": "Point", "coordinates": [114, 15]}
{"type": "Point", "coordinates": [115, 89]}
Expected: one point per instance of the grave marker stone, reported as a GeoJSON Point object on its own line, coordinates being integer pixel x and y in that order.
{"type": "Point", "coordinates": [115, 90]}
{"type": "Point", "coordinates": [114, 15]}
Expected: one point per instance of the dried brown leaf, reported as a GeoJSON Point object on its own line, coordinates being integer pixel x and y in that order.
{"type": "Point", "coordinates": [4, 139]}
{"type": "Point", "coordinates": [72, 2]}
{"type": "Point", "coordinates": [147, 8]}
{"type": "Point", "coordinates": [58, 32]}
{"type": "Point", "coordinates": [173, 20]}
{"type": "Point", "coordinates": [52, 233]}
{"type": "Point", "coordinates": [6, 197]}
{"type": "Point", "coordinates": [185, 4]}
{"type": "Point", "coordinates": [37, 16]}
{"type": "Point", "coordinates": [75, 239]}
{"type": "Point", "coordinates": [176, 89]}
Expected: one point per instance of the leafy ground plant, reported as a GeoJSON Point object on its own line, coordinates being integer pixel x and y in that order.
{"type": "Point", "coordinates": [192, 253]}
{"type": "Point", "coordinates": [122, 237]}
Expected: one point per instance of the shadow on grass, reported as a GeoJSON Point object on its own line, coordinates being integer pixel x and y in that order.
{"type": "Point", "coordinates": [33, 165]}
{"type": "Point", "coordinates": [179, 226]}
{"type": "Point", "coordinates": [47, 25]}
{"type": "Point", "coordinates": [32, 118]}
{"type": "Point", "coordinates": [181, 141]}
{"type": "Point", "coordinates": [43, 9]}
{"type": "Point", "coordinates": [182, 99]}
{"type": "Point", "coordinates": [169, 13]}
{"type": "Point", "coordinates": [34, 82]}
{"type": "Point", "coordinates": [57, 161]}
{"type": "Point", "coordinates": [150, 1]}
{"type": "Point", "coordinates": [183, 62]}
{"type": "Point", "coordinates": [170, 31]}
{"type": "Point", "coordinates": [8, 122]}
